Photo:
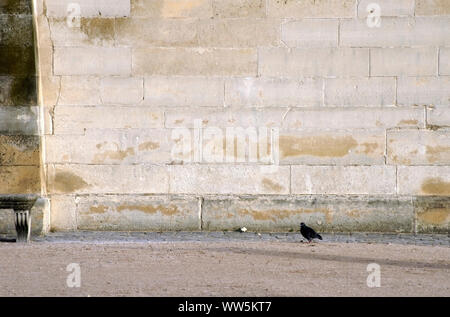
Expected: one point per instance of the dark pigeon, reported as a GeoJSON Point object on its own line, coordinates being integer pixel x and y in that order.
{"type": "Point", "coordinates": [309, 233]}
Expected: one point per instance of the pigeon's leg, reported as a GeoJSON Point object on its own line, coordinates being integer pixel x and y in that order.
{"type": "Point", "coordinates": [23, 225]}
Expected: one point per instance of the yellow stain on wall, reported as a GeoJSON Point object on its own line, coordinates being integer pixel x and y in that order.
{"type": "Point", "coordinates": [176, 8]}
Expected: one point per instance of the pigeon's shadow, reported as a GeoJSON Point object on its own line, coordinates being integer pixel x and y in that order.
{"type": "Point", "coordinates": [3, 239]}
{"type": "Point", "coordinates": [334, 258]}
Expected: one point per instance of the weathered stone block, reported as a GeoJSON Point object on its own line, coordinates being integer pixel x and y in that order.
{"type": "Point", "coordinates": [343, 180]}
{"type": "Point", "coordinates": [16, 30]}
{"type": "Point", "coordinates": [121, 90]}
{"type": "Point", "coordinates": [235, 179]}
{"type": "Point", "coordinates": [418, 147]}
{"type": "Point", "coordinates": [311, 9]}
{"type": "Point", "coordinates": [388, 8]}
{"type": "Point", "coordinates": [435, 7]}
{"type": "Point", "coordinates": [195, 61]}
{"type": "Point", "coordinates": [332, 147]}
{"type": "Point", "coordinates": [78, 120]}
{"type": "Point", "coordinates": [374, 91]}
{"type": "Point", "coordinates": [63, 213]}
{"type": "Point", "coordinates": [92, 61]}
{"type": "Point", "coordinates": [283, 62]}
{"type": "Point", "coordinates": [438, 116]}
{"type": "Point", "coordinates": [424, 180]}
{"type": "Point", "coordinates": [20, 180]}
{"type": "Point", "coordinates": [18, 120]}
{"type": "Point", "coordinates": [239, 8]}
{"type": "Point", "coordinates": [15, 7]}
{"type": "Point", "coordinates": [184, 91]}
{"type": "Point", "coordinates": [395, 32]}
{"type": "Point", "coordinates": [79, 90]}
{"type": "Point", "coordinates": [246, 32]}
{"type": "Point", "coordinates": [18, 91]}
{"type": "Point", "coordinates": [138, 213]}
{"type": "Point", "coordinates": [139, 32]}
{"type": "Point", "coordinates": [403, 61]}
{"type": "Point", "coordinates": [267, 92]}
{"type": "Point", "coordinates": [310, 33]}
{"type": "Point", "coordinates": [171, 8]}
{"type": "Point", "coordinates": [17, 61]}
{"type": "Point", "coordinates": [423, 90]}
{"type": "Point", "coordinates": [432, 214]}
{"type": "Point", "coordinates": [130, 147]}
{"type": "Point", "coordinates": [19, 150]}
{"type": "Point", "coordinates": [223, 118]}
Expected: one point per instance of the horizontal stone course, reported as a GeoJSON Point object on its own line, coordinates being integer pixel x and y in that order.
{"type": "Point", "coordinates": [86, 32]}
{"type": "Point", "coordinates": [300, 118]}
{"type": "Point", "coordinates": [324, 213]}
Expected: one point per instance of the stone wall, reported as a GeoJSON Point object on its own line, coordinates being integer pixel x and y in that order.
{"type": "Point", "coordinates": [361, 106]}
{"type": "Point", "coordinates": [20, 159]}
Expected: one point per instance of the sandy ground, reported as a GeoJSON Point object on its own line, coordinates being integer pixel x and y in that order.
{"type": "Point", "coordinates": [235, 268]}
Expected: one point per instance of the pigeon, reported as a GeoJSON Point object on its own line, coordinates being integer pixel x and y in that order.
{"type": "Point", "coordinates": [308, 233]}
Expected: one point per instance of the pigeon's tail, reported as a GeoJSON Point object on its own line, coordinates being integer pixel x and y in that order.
{"type": "Point", "coordinates": [318, 236]}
